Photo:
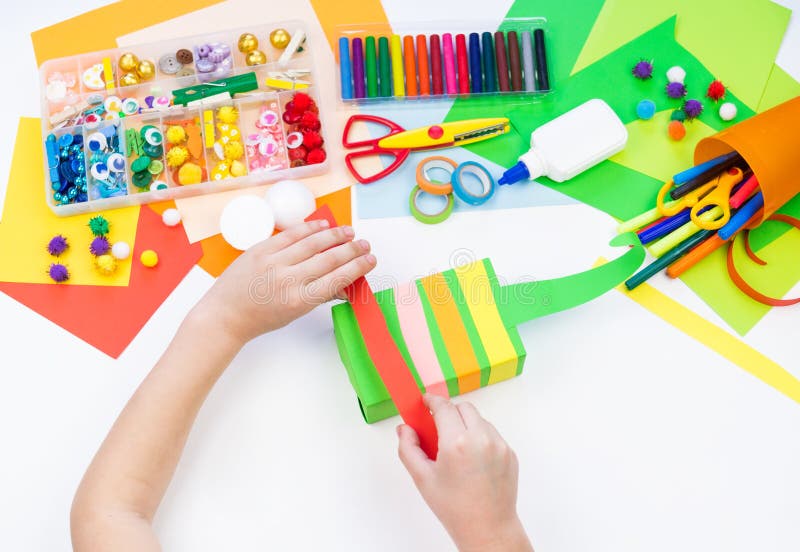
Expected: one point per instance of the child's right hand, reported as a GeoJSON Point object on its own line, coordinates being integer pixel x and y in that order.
{"type": "Point", "coordinates": [472, 485]}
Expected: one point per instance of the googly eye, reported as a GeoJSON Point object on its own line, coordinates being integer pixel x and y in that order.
{"type": "Point", "coordinates": [91, 121]}
{"type": "Point", "coordinates": [294, 140]}
{"type": "Point", "coordinates": [252, 140]}
{"type": "Point", "coordinates": [268, 119]}
{"type": "Point", "coordinates": [96, 141]}
{"type": "Point", "coordinates": [65, 141]}
{"type": "Point", "coordinates": [113, 104]}
{"type": "Point", "coordinates": [99, 171]}
{"type": "Point", "coordinates": [268, 147]}
{"type": "Point", "coordinates": [153, 137]}
{"type": "Point", "coordinates": [130, 106]}
{"type": "Point", "coordinates": [116, 163]}
{"type": "Point", "coordinates": [158, 185]}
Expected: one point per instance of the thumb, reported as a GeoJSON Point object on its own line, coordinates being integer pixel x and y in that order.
{"type": "Point", "coordinates": [411, 455]}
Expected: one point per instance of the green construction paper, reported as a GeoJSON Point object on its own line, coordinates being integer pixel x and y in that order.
{"type": "Point", "coordinates": [449, 373]}
{"type": "Point", "coordinates": [737, 41]}
{"type": "Point", "coordinates": [781, 87]}
{"type": "Point", "coordinates": [525, 301]}
{"type": "Point", "coordinates": [652, 152]}
{"type": "Point", "coordinates": [709, 279]}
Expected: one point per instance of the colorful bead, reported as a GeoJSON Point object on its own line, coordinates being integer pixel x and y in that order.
{"type": "Point", "coordinates": [247, 43]}
{"type": "Point", "coordinates": [279, 38]}
{"type": "Point", "coordinates": [128, 62]}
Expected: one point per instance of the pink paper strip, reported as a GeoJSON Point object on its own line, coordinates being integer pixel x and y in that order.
{"type": "Point", "coordinates": [449, 64]}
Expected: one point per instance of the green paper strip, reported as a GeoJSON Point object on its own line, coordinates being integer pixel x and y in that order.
{"type": "Point", "coordinates": [448, 371]}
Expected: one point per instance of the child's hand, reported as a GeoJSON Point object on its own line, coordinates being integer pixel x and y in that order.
{"type": "Point", "coordinates": [472, 485]}
{"type": "Point", "coordinates": [283, 278]}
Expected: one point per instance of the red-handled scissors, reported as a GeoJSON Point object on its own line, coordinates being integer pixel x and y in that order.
{"type": "Point", "coordinates": [399, 142]}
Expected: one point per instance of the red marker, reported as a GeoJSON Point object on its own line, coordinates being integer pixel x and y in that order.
{"type": "Point", "coordinates": [462, 61]}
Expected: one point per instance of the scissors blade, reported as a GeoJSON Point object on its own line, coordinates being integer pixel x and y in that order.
{"type": "Point", "coordinates": [446, 135]}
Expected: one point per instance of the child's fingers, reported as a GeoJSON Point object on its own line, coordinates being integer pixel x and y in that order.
{"type": "Point", "coordinates": [333, 283]}
{"type": "Point", "coordinates": [470, 415]}
{"type": "Point", "coordinates": [446, 416]}
{"type": "Point", "coordinates": [411, 455]}
{"type": "Point", "coordinates": [328, 261]}
{"type": "Point", "coordinates": [292, 235]}
{"type": "Point", "coordinates": [313, 244]}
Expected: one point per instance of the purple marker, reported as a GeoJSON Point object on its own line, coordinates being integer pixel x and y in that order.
{"type": "Point", "coordinates": [358, 69]}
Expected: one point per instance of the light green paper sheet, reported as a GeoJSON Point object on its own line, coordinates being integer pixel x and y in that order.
{"type": "Point", "coordinates": [651, 152]}
{"type": "Point", "coordinates": [780, 87]}
{"type": "Point", "coordinates": [737, 41]}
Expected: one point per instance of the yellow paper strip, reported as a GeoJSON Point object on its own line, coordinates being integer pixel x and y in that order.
{"type": "Point", "coordinates": [477, 290]}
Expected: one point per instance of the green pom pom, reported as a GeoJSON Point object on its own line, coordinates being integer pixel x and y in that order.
{"type": "Point", "coordinates": [98, 225]}
{"type": "Point", "coordinates": [678, 115]}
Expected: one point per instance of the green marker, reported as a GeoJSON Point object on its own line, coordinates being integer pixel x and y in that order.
{"type": "Point", "coordinates": [372, 68]}
{"type": "Point", "coordinates": [385, 67]}
{"type": "Point", "coordinates": [668, 258]}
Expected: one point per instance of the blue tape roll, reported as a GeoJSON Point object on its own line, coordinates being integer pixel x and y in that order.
{"type": "Point", "coordinates": [478, 170]}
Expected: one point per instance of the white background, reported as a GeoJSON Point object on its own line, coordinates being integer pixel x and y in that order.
{"type": "Point", "coordinates": [631, 435]}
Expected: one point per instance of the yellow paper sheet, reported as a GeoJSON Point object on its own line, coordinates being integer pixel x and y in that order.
{"type": "Point", "coordinates": [28, 223]}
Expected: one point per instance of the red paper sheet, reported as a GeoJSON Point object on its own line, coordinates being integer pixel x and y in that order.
{"type": "Point", "coordinates": [106, 317]}
{"type": "Point", "coordinates": [386, 356]}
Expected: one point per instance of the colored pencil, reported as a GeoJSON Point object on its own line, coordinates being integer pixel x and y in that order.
{"type": "Point", "coordinates": [475, 67]}
{"type": "Point", "coordinates": [489, 73]}
{"type": "Point", "coordinates": [422, 66]}
{"type": "Point", "coordinates": [742, 216]}
{"type": "Point", "coordinates": [670, 257]}
{"type": "Point", "coordinates": [542, 73]}
{"type": "Point", "coordinates": [462, 63]}
{"type": "Point", "coordinates": [358, 68]}
{"type": "Point", "coordinates": [372, 68]}
{"type": "Point", "coordinates": [449, 64]}
{"type": "Point", "coordinates": [345, 68]}
{"type": "Point", "coordinates": [385, 68]}
{"type": "Point", "coordinates": [527, 61]}
{"type": "Point", "coordinates": [436, 65]}
{"type": "Point", "coordinates": [410, 65]}
{"type": "Point", "coordinates": [514, 61]}
{"type": "Point", "coordinates": [501, 60]}
{"type": "Point", "coordinates": [396, 49]}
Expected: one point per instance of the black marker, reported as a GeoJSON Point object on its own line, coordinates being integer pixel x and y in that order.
{"type": "Point", "coordinates": [542, 78]}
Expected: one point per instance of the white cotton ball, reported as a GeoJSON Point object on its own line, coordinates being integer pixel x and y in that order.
{"type": "Point", "coordinates": [676, 74]}
{"type": "Point", "coordinates": [727, 111]}
{"type": "Point", "coordinates": [171, 217]}
{"type": "Point", "coordinates": [121, 250]}
{"type": "Point", "coordinates": [245, 221]}
{"type": "Point", "coordinates": [291, 201]}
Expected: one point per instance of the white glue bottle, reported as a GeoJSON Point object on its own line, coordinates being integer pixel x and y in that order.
{"type": "Point", "coordinates": [571, 143]}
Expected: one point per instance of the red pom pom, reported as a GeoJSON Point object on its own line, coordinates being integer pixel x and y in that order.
{"type": "Point", "coordinates": [291, 118]}
{"type": "Point", "coordinates": [310, 121]}
{"type": "Point", "coordinates": [716, 90]}
{"type": "Point", "coordinates": [301, 102]}
{"type": "Point", "coordinates": [297, 163]}
{"type": "Point", "coordinates": [312, 139]}
{"type": "Point", "coordinates": [316, 156]}
{"type": "Point", "coordinates": [298, 153]}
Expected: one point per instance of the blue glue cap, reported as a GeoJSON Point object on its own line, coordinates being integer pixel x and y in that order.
{"type": "Point", "coordinates": [515, 174]}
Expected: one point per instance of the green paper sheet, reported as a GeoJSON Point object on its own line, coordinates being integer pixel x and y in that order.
{"type": "Point", "coordinates": [780, 87]}
{"type": "Point", "coordinates": [738, 41]}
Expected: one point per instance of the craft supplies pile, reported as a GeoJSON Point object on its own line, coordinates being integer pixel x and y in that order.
{"type": "Point", "coordinates": [242, 108]}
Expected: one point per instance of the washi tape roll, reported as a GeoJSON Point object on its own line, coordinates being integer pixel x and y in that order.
{"type": "Point", "coordinates": [429, 218]}
{"type": "Point", "coordinates": [427, 183]}
{"type": "Point", "coordinates": [482, 174]}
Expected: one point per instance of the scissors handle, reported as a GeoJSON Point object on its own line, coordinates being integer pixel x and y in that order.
{"type": "Point", "coordinates": [375, 152]}
{"type": "Point", "coordinates": [393, 127]}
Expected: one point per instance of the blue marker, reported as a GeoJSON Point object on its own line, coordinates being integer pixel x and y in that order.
{"type": "Point", "coordinates": [345, 70]}
{"type": "Point", "coordinates": [692, 172]}
{"type": "Point", "coordinates": [475, 67]}
{"type": "Point", "coordinates": [741, 217]}
{"type": "Point", "coordinates": [489, 72]}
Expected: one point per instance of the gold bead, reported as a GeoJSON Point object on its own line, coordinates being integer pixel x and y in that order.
{"type": "Point", "coordinates": [146, 70]}
{"type": "Point", "coordinates": [129, 79]}
{"type": "Point", "coordinates": [247, 43]}
{"type": "Point", "coordinates": [128, 62]}
{"type": "Point", "coordinates": [279, 38]}
{"type": "Point", "coordinates": [256, 57]}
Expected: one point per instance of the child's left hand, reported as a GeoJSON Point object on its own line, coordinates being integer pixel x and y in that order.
{"type": "Point", "coordinates": [283, 278]}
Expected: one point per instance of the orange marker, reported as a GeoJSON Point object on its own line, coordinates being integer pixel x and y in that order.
{"type": "Point", "coordinates": [411, 68]}
{"type": "Point", "coordinates": [422, 65]}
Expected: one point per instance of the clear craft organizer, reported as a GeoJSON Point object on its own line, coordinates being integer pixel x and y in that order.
{"type": "Point", "coordinates": [111, 120]}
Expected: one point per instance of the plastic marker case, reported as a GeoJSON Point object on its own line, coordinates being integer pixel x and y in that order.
{"type": "Point", "coordinates": [93, 101]}
{"type": "Point", "coordinates": [435, 60]}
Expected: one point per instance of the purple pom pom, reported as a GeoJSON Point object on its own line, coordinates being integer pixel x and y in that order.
{"type": "Point", "coordinates": [58, 272]}
{"type": "Point", "coordinates": [643, 70]}
{"type": "Point", "coordinates": [676, 90]}
{"type": "Point", "coordinates": [99, 246]}
{"type": "Point", "coordinates": [57, 245]}
{"type": "Point", "coordinates": [692, 108]}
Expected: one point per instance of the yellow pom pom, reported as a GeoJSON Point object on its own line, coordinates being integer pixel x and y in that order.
{"type": "Point", "coordinates": [190, 173]}
{"type": "Point", "coordinates": [105, 264]}
{"type": "Point", "coordinates": [149, 258]}
{"type": "Point", "coordinates": [238, 168]}
{"type": "Point", "coordinates": [176, 134]}
{"type": "Point", "coordinates": [234, 150]}
{"type": "Point", "coordinates": [177, 156]}
{"type": "Point", "coordinates": [227, 114]}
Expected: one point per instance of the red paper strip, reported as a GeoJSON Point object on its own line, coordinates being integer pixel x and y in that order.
{"type": "Point", "coordinates": [384, 353]}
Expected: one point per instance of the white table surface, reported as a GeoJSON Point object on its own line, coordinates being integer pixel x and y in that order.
{"type": "Point", "coordinates": [631, 435]}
